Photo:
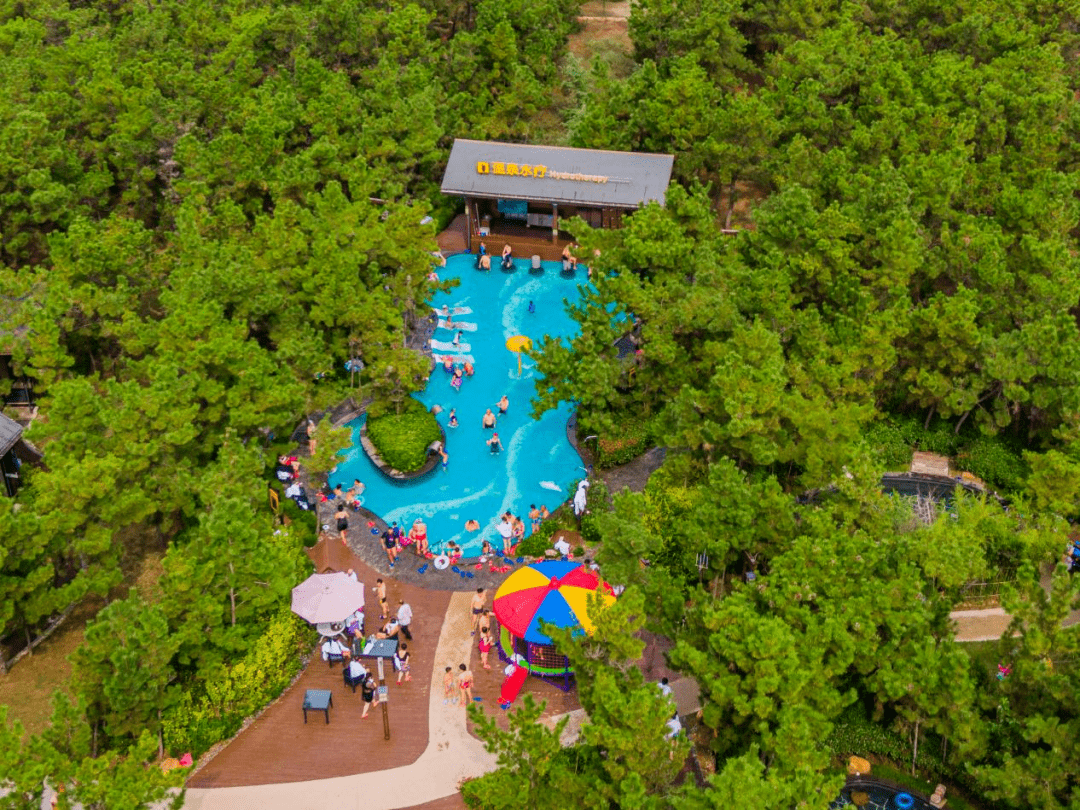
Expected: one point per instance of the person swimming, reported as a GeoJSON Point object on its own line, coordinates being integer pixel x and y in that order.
{"type": "Point", "coordinates": [453, 418]}
{"type": "Point", "coordinates": [472, 526]}
{"type": "Point", "coordinates": [489, 419]}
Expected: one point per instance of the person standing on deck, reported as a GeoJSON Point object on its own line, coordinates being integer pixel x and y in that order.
{"type": "Point", "coordinates": [404, 617]}
{"type": "Point", "coordinates": [479, 601]}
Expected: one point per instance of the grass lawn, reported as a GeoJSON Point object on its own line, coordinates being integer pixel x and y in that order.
{"type": "Point", "coordinates": [905, 779]}
{"type": "Point", "coordinates": [28, 687]}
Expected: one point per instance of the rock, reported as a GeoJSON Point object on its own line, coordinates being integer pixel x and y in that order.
{"type": "Point", "coordinates": [857, 766]}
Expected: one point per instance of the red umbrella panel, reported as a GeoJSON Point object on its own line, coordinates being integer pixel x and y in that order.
{"type": "Point", "coordinates": [555, 592]}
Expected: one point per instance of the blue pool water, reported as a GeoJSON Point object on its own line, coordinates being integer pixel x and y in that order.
{"type": "Point", "coordinates": [537, 464]}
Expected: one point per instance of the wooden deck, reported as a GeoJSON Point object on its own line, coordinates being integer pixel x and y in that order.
{"type": "Point", "coordinates": [279, 747]}
{"type": "Point", "coordinates": [526, 242]}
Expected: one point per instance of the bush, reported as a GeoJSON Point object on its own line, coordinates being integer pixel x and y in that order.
{"type": "Point", "coordinates": [215, 710]}
{"type": "Point", "coordinates": [402, 440]}
{"type": "Point", "coordinates": [889, 444]}
{"type": "Point", "coordinates": [854, 734]}
{"type": "Point", "coordinates": [995, 463]}
{"type": "Point", "coordinates": [635, 436]}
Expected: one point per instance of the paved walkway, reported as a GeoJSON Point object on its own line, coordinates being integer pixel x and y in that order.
{"type": "Point", "coordinates": [451, 754]}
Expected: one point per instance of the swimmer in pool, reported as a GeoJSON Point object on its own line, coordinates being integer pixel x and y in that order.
{"type": "Point", "coordinates": [453, 418]}
{"type": "Point", "coordinates": [472, 525]}
{"type": "Point", "coordinates": [504, 405]}
{"type": "Point", "coordinates": [489, 419]}
{"type": "Point", "coordinates": [494, 443]}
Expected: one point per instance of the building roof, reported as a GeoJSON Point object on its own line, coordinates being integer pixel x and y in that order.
{"type": "Point", "coordinates": [556, 174]}
{"type": "Point", "coordinates": [10, 433]}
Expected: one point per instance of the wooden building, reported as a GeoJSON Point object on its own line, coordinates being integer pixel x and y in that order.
{"type": "Point", "coordinates": [13, 452]}
{"type": "Point", "coordinates": [515, 191]}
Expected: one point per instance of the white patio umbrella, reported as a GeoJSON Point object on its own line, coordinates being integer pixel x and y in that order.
{"type": "Point", "coordinates": [325, 598]}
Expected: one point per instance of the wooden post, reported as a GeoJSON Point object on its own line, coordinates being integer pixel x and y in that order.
{"type": "Point", "coordinates": [468, 224]}
{"type": "Point", "coordinates": [555, 223]}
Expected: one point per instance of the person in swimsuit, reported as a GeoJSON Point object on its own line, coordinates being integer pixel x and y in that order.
{"type": "Point", "coordinates": [418, 536]}
{"type": "Point", "coordinates": [472, 526]}
{"type": "Point", "coordinates": [507, 257]}
{"type": "Point", "coordinates": [401, 663]}
{"type": "Point", "coordinates": [455, 381]}
{"type": "Point", "coordinates": [457, 339]}
{"type": "Point", "coordinates": [355, 495]}
{"type": "Point", "coordinates": [485, 262]}
{"type": "Point", "coordinates": [380, 594]}
{"type": "Point", "coordinates": [342, 518]}
{"type": "Point", "coordinates": [478, 603]}
{"type": "Point", "coordinates": [453, 551]}
{"type": "Point", "coordinates": [390, 541]}
{"type": "Point", "coordinates": [519, 530]}
{"type": "Point", "coordinates": [486, 643]}
{"type": "Point", "coordinates": [569, 261]}
{"type": "Point", "coordinates": [448, 364]}
{"type": "Point", "coordinates": [465, 681]}
{"type": "Point", "coordinates": [489, 419]}
{"type": "Point", "coordinates": [504, 405]}
{"type": "Point", "coordinates": [494, 443]}
{"type": "Point", "coordinates": [485, 623]}
{"type": "Point", "coordinates": [453, 418]}
{"type": "Point", "coordinates": [544, 513]}
{"type": "Point", "coordinates": [469, 370]}
{"type": "Point", "coordinates": [450, 690]}
{"type": "Point", "coordinates": [534, 516]}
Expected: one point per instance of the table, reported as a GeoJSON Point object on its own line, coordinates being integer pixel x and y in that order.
{"type": "Point", "coordinates": [378, 648]}
{"type": "Point", "coordinates": [318, 700]}
{"type": "Point", "coordinates": [330, 629]}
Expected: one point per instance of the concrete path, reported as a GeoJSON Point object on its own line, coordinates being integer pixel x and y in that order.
{"type": "Point", "coordinates": [451, 754]}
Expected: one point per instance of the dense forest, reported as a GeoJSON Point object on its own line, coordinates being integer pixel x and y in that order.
{"type": "Point", "coordinates": [869, 245]}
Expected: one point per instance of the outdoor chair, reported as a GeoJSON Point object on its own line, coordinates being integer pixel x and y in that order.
{"type": "Point", "coordinates": [351, 681]}
{"type": "Point", "coordinates": [332, 658]}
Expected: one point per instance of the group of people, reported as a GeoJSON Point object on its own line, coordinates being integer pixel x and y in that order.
{"type": "Point", "coordinates": [344, 500]}
{"type": "Point", "coordinates": [511, 529]}
{"type": "Point", "coordinates": [395, 540]}
{"type": "Point", "coordinates": [483, 260]}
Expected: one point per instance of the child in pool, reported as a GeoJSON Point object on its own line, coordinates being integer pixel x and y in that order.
{"type": "Point", "coordinates": [453, 418]}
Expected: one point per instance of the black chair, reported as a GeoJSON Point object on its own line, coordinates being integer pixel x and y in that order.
{"type": "Point", "coordinates": [350, 680]}
{"type": "Point", "coordinates": [334, 657]}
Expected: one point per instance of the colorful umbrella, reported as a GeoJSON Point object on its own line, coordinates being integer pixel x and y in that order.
{"type": "Point", "coordinates": [325, 598]}
{"type": "Point", "coordinates": [554, 592]}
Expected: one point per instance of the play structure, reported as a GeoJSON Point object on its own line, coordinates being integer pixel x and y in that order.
{"type": "Point", "coordinates": [554, 592]}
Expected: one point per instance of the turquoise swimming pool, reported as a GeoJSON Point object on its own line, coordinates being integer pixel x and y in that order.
{"type": "Point", "coordinates": [537, 464]}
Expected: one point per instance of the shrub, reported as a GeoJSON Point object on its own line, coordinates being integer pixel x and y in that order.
{"type": "Point", "coordinates": [890, 445]}
{"type": "Point", "coordinates": [854, 734]}
{"type": "Point", "coordinates": [634, 437]}
{"type": "Point", "coordinates": [402, 439]}
{"type": "Point", "coordinates": [995, 463]}
{"type": "Point", "coordinates": [215, 710]}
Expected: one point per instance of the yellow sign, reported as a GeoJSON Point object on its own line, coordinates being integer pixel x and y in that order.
{"type": "Point", "coordinates": [539, 172]}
